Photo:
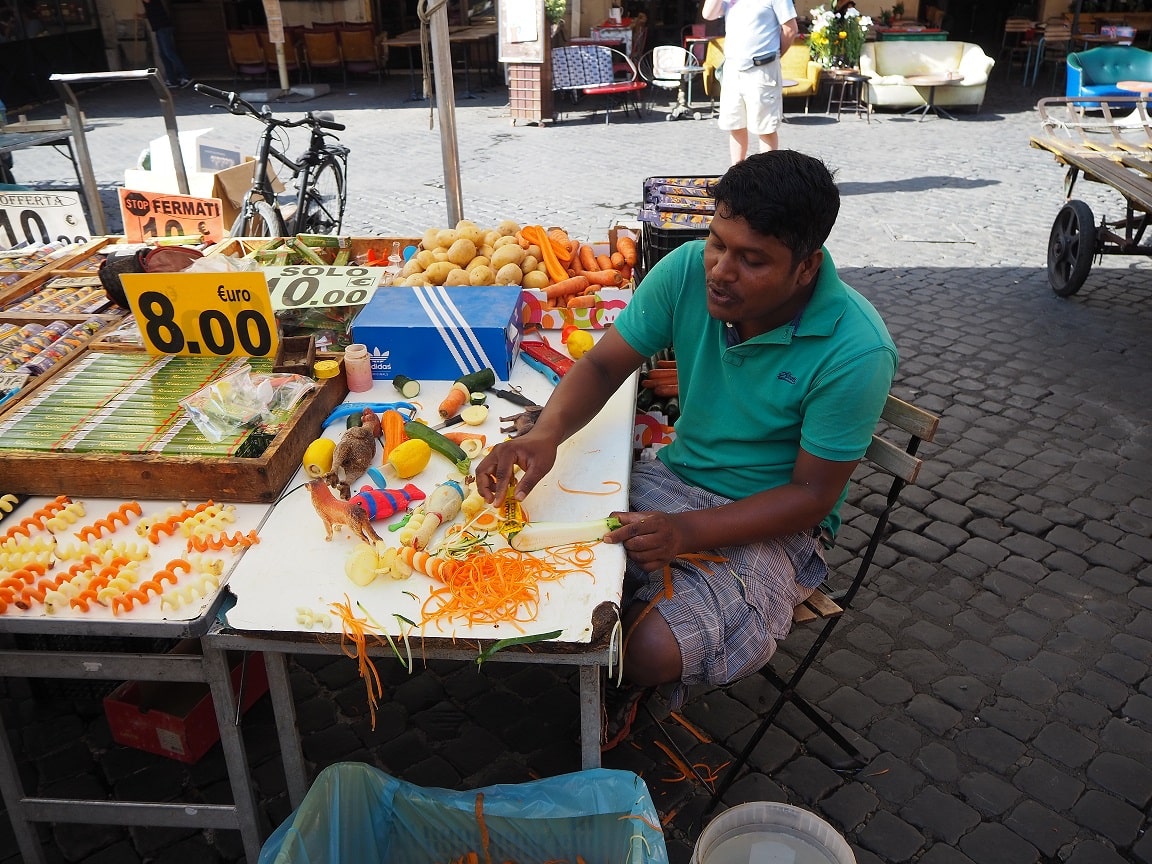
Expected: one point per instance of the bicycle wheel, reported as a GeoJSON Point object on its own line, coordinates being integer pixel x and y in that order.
{"type": "Point", "coordinates": [325, 200]}
{"type": "Point", "coordinates": [264, 221]}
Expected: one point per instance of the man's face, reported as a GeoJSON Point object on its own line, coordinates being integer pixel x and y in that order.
{"type": "Point", "coordinates": [750, 278]}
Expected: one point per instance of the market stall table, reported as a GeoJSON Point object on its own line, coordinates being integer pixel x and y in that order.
{"type": "Point", "coordinates": [60, 140]}
{"type": "Point", "coordinates": [295, 569]}
{"type": "Point", "coordinates": [131, 637]}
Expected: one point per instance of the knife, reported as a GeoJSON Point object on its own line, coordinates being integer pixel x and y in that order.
{"type": "Point", "coordinates": [513, 397]}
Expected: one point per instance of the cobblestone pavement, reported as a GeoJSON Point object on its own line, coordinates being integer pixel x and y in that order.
{"type": "Point", "coordinates": [996, 672]}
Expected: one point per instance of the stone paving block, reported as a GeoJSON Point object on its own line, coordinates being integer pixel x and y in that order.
{"type": "Point", "coordinates": [1122, 776]}
{"type": "Point", "coordinates": [1108, 816]}
{"type": "Point", "coordinates": [1050, 785]}
{"type": "Point", "coordinates": [1139, 708]}
{"type": "Point", "coordinates": [892, 778]}
{"type": "Point", "coordinates": [849, 806]}
{"type": "Point", "coordinates": [941, 854]}
{"type": "Point", "coordinates": [1028, 624]}
{"type": "Point", "coordinates": [940, 815]}
{"type": "Point", "coordinates": [928, 633]}
{"type": "Point", "coordinates": [963, 692]}
{"type": "Point", "coordinates": [1094, 852]}
{"type": "Point", "coordinates": [891, 838]}
{"type": "Point", "coordinates": [990, 747]}
{"type": "Point", "coordinates": [933, 714]}
{"type": "Point", "coordinates": [1014, 716]}
{"type": "Point", "coordinates": [1065, 745]}
{"type": "Point", "coordinates": [1044, 829]}
{"type": "Point", "coordinates": [992, 843]}
{"type": "Point", "coordinates": [1122, 667]}
{"type": "Point", "coordinates": [810, 778]}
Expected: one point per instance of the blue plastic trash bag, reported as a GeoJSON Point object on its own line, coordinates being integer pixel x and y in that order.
{"type": "Point", "coordinates": [357, 813]}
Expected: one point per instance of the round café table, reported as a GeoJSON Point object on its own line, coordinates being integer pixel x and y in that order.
{"type": "Point", "coordinates": [945, 79]}
{"type": "Point", "coordinates": [1141, 87]}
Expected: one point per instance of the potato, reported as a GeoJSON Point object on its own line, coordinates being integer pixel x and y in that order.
{"type": "Point", "coordinates": [416, 280]}
{"type": "Point", "coordinates": [439, 255]}
{"type": "Point", "coordinates": [438, 272]}
{"type": "Point", "coordinates": [529, 263]}
{"type": "Point", "coordinates": [458, 277]}
{"type": "Point", "coordinates": [479, 261]}
{"type": "Point", "coordinates": [425, 257]}
{"type": "Point", "coordinates": [534, 251]}
{"type": "Point", "coordinates": [509, 253]}
{"type": "Point", "coordinates": [542, 267]}
{"type": "Point", "coordinates": [486, 250]}
{"type": "Point", "coordinates": [482, 275]}
{"type": "Point", "coordinates": [505, 241]}
{"type": "Point", "coordinates": [509, 274]}
{"type": "Point", "coordinates": [445, 238]}
{"type": "Point", "coordinates": [429, 241]}
{"type": "Point", "coordinates": [490, 237]}
{"type": "Point", "coordinates": [507, 227]}
{"type": "Point", "coordinates": [461, 252]}
{"type": "Point", "coordinates": [469, 230]}
{"type": "Point", "coordinates": [536, 280]}
{"type": "Point", "coordinates": [411, 266]}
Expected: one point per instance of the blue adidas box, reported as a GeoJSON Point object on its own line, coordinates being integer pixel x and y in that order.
{"type": "Point", "coordinates": [440, 334]}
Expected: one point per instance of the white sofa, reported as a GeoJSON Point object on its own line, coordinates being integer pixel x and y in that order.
{"type": "Point", "coordinates": [888, 64]}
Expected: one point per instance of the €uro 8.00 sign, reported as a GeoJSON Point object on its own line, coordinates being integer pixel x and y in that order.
{"type": "Point", "coordinates": [203, 314]}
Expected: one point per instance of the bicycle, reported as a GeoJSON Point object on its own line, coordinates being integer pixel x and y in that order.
{"type": "Point", "coordinates": [320, 174]}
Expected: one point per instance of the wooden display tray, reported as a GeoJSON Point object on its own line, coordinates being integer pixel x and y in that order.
{"type": "Point", "coordinates": [125, 476]}
{"type": "Point", "coordinates": [381, 247]}
{"type": "Point", "coordinates": [36, 277]}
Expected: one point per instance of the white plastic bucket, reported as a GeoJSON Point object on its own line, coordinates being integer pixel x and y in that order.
{"type": "Point", "coordinates": [763, 832]}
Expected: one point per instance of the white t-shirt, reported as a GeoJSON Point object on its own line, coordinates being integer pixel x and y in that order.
{"type": "Point", "coordinates": [752, 28]}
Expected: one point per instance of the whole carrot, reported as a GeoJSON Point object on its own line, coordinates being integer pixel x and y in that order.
{"type": "Point", "coordinates": [588, 258]}
{"type": "Point", "coordinates": [626, 246]}
{"type": "Point", "coordinates": [608, 278]}
{"type": "Point", "coordinates": [567, 287]}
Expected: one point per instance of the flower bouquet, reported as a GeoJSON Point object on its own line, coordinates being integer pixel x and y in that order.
{"type": "Point", "coordinates": [836, 39]}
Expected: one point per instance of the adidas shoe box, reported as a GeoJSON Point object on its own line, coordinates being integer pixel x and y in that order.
{"type": "Point", "coordinates": [438, 334]}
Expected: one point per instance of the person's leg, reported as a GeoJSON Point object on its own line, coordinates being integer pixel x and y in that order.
{"type": "Point", "coordinates": [771, 141]}
{"type": "Point", "coordinates": [732, 117]}
{"type": "Point", "coordinates": [652, 655]}
{"type": "Point", "coordinates": [766, 107]}
{"type": "Point", "coordinates": [737, 145]}
{"type": "Point", "coordinates": [173, 65]}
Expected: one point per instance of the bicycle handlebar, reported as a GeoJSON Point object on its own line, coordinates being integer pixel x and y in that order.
{"type": "Point", "coordinates": [237, 105]}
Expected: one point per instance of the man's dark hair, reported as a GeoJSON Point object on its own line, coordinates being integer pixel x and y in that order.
{"type": "Point", "coordinates": [782, 194]}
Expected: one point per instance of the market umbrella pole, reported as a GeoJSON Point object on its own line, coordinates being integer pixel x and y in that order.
{"type": "Point", "coordinates": [446, 103]}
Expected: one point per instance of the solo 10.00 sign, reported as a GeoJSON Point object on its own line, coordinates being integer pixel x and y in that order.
{"type": "Point", "coordinates": [203, 314]}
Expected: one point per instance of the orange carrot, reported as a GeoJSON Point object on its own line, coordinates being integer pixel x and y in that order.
{"type": "Point", "coordinates": [588, 258]}
{"type": "Point", "coordinates": [461, 437]}
{"type": "Point", "coordinates": [535, 234]}
{"type": "Point", "coordinates": [567, 287]}
{"type": "Point", "coordinates": [582, 301]}
{"type": "Point", "coordinates": [608, 278]}
{"type": "Point", "coordinates": [454, 401]}
{"type": "Point", "coordinates": [605, 262]}
{"type": "Point", "coordinates": [561, 245]}
{"type": "Point", "coordinates": [626, 246]}
{"type": "Point", "coordinates": [617, 260]}
{"type": "Point", "coordinates": [354, 630]}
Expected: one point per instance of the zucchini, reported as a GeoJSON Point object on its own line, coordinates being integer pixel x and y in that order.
{"type": "Point", "coordinates": [408, 388]}
{"type": "Point", "coordinates": [544, 535]}
{"type": "Point", "coordinates": [478, 381]}
{"type": "Point", "coordinates": [451, 451]}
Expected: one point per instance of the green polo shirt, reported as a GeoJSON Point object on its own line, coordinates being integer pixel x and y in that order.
{"type": "Point", "coordinates": [746, 409]}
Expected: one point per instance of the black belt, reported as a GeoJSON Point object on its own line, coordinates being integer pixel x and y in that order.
{"type": "Point", "coordinates": [765, 59]}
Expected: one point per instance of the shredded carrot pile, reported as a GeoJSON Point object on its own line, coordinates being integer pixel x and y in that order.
{"type": "Point", "coordinates": [355, 630]}
{"type": "Point", "coordinates": [614, 486]}
{"type": "Point", "coordinates": [493, 587]}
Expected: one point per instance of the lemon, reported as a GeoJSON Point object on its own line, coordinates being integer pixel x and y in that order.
{"type": "Point", "coordinates": [579, 343]}
{"type": "Point", "coordinates": [318, 457]}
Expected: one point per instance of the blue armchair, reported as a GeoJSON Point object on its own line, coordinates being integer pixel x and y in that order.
{"type": "Point", "coordinates": [1096, 71]}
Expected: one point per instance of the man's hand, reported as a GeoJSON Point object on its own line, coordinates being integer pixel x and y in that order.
{"type": "Point", "coordinates": [534, 456]}
{"type": "Point", "coordinates": [650, 539]}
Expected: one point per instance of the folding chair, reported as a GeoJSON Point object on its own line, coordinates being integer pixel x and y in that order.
{"type": "Point", "coordinates": [587, 70]}
{"type": "Point", "coordinates": [362, 52]}
{"type": "Point", "coordinates": [672, 68]}
{"type": "Point", "coordinates": [826, 606]}
{"type": "Point", "coordinates": [246, 54]}
{"type": "Point", "coordinates": [322, 51]}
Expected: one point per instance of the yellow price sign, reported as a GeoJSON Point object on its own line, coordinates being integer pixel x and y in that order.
{"type": "Point", "coordinates": [203, 314]}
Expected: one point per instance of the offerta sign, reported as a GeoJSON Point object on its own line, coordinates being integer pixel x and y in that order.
{"type": "Point", "coordinates": [160, 214]}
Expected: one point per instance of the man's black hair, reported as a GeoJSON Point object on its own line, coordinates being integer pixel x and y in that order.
{"type": "Point", "coordinates": [782, 194]}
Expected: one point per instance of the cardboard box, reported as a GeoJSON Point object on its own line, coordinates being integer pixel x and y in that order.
{"type": "Point", "coordinates": [227, 186]}
{"type": "Point", "coordinates": [441, 333]}
{"type": "Point", "coordinates": [609, 301]}
{"type": "Point", "coordinates": [177, 719]}
{"type": "Point", "coordinates": [200, 153]}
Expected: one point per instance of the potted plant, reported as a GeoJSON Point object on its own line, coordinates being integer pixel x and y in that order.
{"type": "Point", "coordinates": [837, 39]}
{"type": "Point", "coordinates": [897, 11]}
{"type": "Point", "coordinates": [554, 12]}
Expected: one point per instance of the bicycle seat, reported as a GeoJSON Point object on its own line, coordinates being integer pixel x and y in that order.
{"type": "Point", "coordinates": [324, 115]}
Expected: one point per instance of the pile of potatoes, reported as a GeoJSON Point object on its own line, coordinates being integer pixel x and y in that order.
{"type": "Point", "coordinates": [470, 255]}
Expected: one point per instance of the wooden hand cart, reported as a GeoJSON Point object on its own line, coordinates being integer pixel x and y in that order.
{"type": "Point", "coordinates": [1108, 143]}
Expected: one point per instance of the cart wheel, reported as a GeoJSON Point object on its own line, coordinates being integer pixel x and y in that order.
{"type": "Point", "coordinates": [697, 116]}
{"type": "Point", "coordinates": [1071, 247]}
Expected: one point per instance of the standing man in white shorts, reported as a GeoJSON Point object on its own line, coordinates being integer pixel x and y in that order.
{"type": "Point", "coordinates": [756, 35]}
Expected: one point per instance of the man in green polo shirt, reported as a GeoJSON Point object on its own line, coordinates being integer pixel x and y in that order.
{"type": "Point", "coordinates": [783, 371]}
